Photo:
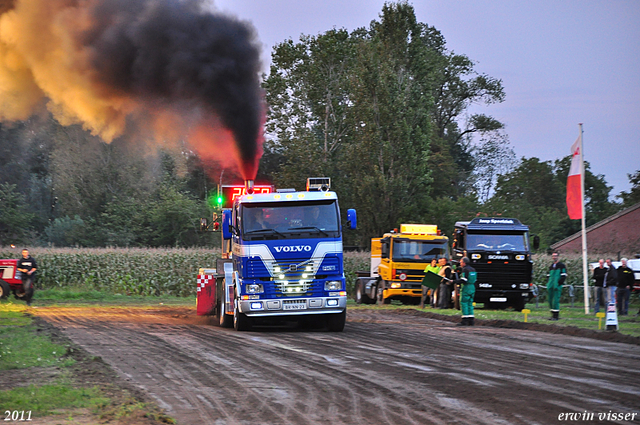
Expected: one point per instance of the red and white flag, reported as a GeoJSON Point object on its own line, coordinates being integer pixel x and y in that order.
{"type": "Point", "coordinates": [574, 189]}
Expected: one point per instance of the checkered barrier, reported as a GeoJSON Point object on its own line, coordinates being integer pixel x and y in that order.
{"type": "Point", "coordinates": [204, 280]}
{"type": "Point", "coordinates": [206, 294]}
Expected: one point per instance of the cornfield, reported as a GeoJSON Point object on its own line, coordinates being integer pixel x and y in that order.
{"type": "Point", "coordinates": [120, 270]}
{"type": "Point", "coordinates": [137, 271]}
{"type": "Point", "coordinates": [165, 271]}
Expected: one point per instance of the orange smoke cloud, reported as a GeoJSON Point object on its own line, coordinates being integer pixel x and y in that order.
{"type": "Point", "coordinates": [166, 68]}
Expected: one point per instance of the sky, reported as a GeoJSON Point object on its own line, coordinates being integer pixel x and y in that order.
{"type": "Point", "coordinates": [561, 62]}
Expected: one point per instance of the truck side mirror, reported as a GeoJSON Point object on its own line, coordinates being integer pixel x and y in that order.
{"type": "Point", "coordinates": [352, 218]}
{"type": "Point", "coordinates": [226, 224]}
{"type": "Point", "coordinates": [536, 242]}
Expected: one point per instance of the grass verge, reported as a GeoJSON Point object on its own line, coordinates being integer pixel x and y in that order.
{"type": "Point", "coordinates": [46, 375]}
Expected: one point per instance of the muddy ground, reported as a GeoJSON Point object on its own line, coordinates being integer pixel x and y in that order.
{"type": "Point", "coordinates": [387, 367]}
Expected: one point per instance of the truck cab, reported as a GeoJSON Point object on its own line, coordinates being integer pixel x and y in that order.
{"type": "Point", "coordinates": [283, 259]}
{"type": "Point", "coordinates": [498, 248]}
{"type": "Point", "coordinates": [398, 260]}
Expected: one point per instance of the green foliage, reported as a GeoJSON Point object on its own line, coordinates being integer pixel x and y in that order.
{"type": "Point", "coordinates": [633, 196]}
{"type": "Point", "coordinates": [535, 193]}
{"type": "Point", "coordinates": [121, 270]}
{"type": "Point", "coordinates": [15, 221]}
{"type": "Point", "coordinates": [377, 110]}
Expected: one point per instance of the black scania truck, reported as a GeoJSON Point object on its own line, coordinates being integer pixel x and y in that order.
{"type": "Point", "coordinates": [498, 249]}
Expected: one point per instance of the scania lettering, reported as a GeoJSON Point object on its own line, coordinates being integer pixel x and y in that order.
{"type": "Point", "coordinates": [282, 260]}
{"type": "Point", "coordinates": [499, 251]}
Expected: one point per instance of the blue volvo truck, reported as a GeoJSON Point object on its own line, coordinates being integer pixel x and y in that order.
{"type": "Point", "coordinates": [281, 259]}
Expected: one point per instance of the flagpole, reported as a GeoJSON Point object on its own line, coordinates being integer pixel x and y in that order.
{"type": "Point", "coordinates": [585, 272]}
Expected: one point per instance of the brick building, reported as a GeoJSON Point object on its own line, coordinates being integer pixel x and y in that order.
{"type": "Point", "coordinates": [617, 233]}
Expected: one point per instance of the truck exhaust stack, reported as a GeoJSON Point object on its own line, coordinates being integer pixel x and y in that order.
{"type": "Point", "coordinates": [248, 184]}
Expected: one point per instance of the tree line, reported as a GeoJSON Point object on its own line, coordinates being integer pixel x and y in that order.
{"type": "Point", "coordinates": [383, 111]}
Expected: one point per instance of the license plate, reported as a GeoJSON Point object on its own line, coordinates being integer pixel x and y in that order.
{"type": "Point", "coordinates": [498, 300]}
{"type": "Point", "coordinates": [294, 307]}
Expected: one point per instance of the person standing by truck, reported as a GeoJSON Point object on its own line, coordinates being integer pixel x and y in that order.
{"type": "Point", "coordinates": [27, 267]}
{"type": "Point", "coordinates": [444, 300]}
{"type": "Point", "coordinates": [467, 284]}
{"type": "Point", "coordinates": [557, 275]}
{"type": "Point", "coordinates": [434, 268]}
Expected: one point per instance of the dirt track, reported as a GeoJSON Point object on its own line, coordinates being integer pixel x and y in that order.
{"type": "Point", "coordinates": [386, 367]}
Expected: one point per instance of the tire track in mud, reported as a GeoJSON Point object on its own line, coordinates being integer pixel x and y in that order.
{"type": "Point", "coordinates": [565, 363]}
{"type": "Point", "coordinates": [382, 369]}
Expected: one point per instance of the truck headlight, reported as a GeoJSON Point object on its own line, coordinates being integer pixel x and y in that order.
{"type": "Point", "coordinates": [396, 285]}
{"type": "Point", "coordinates": [332, 285]}
{"type": "Point", "coordinates": [520, 257]}
{"type": "Point", "coordinates": [255, 289]}
{"type": "Point", "coordinates": [475, 256]}
{"type": "Point", "coordinates": [524, 286]}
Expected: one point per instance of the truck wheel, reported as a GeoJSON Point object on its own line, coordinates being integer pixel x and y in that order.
{"type": "Point", "coordinates": [5, 289]}
{"type": "Point", "coordinates": [358, 293]}
{"type": "Point", "coordinates": [336, 321]}
{"type": "Point", "coordinates": [240, 320]}
{"type": "Point", "coordinates": [381, 299]}
{"type": "Point", "coordinates": [225, 319]}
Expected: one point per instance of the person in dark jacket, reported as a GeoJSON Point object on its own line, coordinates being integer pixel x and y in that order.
{"type": "Point", "coordinates": [599, 274]}
{"type": "Point", "coordinates": [611, 282]}
{"type": "Point", "coordinates": [444, 298]}
{"type": "Point", "coordinates": [625, 285]}
{"type": "Point", "coordinates": [557, 275]}
{"type": "Point", "coordinates": [467, 282]}
{"type": "Point", "coordinates": [27, 267]}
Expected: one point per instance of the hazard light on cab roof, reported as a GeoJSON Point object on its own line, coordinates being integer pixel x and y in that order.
{"type": "Point", "coordinates": [423, 229]}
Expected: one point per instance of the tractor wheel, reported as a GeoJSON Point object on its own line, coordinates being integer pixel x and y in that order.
{"type": "Point", "coordinates": [5, 289]}
{"type": "Point", "coordinates": [336, 321]}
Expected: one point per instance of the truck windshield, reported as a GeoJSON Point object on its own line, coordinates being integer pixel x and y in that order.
{"type": "Point", "coordinates": [497, 242]}
{"type": "Point", "coordinates": [289, 220]}
{"type": "Point", "coordinates": [419, 251]}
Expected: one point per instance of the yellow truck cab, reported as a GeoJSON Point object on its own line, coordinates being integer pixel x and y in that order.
{"type": "Point", "coordinates": [398, 260]}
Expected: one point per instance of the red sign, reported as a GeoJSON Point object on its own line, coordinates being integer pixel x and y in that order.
{"type": "Point", "coordinates": [230, 193]}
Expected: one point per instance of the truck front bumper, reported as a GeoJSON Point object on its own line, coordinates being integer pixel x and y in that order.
{"type": "Point", "coordinates": [505, 296]}
{"type": "Point", "coordinates": [293, 306]}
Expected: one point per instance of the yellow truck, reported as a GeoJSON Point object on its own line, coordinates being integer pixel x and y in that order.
{"type": "Point", "coordinates": [398, 260]}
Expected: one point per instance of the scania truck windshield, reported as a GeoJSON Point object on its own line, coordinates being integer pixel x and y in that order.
{"type": "Point", "coordinates": [497, 242]}
{"type": "Point", "coordinates": [407, 250]}
{"type": "Point", "coordinates": [271, 220]}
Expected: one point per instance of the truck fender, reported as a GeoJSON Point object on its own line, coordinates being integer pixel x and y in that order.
{"type": "Point", "coordinates": [228, 288]}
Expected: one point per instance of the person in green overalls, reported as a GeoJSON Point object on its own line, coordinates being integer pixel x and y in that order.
{"type": "Point", "coordinates": [467, 284]}
{"type": "Point", "coordinates": [557, 275]}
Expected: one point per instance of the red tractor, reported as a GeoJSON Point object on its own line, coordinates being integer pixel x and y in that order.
{"type": "Point", "coordinates": [11, 280]}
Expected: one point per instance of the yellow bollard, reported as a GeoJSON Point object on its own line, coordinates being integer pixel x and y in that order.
{"type": "Point", "coordinates": [525, 311]}
{"type": "Point", "coordinates": [600, 316]}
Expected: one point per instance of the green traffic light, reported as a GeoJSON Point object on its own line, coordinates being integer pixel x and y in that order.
{"type": "Point", "coordinates": [219, 200]}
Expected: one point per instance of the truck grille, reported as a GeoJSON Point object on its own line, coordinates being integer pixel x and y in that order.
{"type": "Point", "coordinates": [503, 274]}
{"type": "Point", "coordinates": [290, 279]}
